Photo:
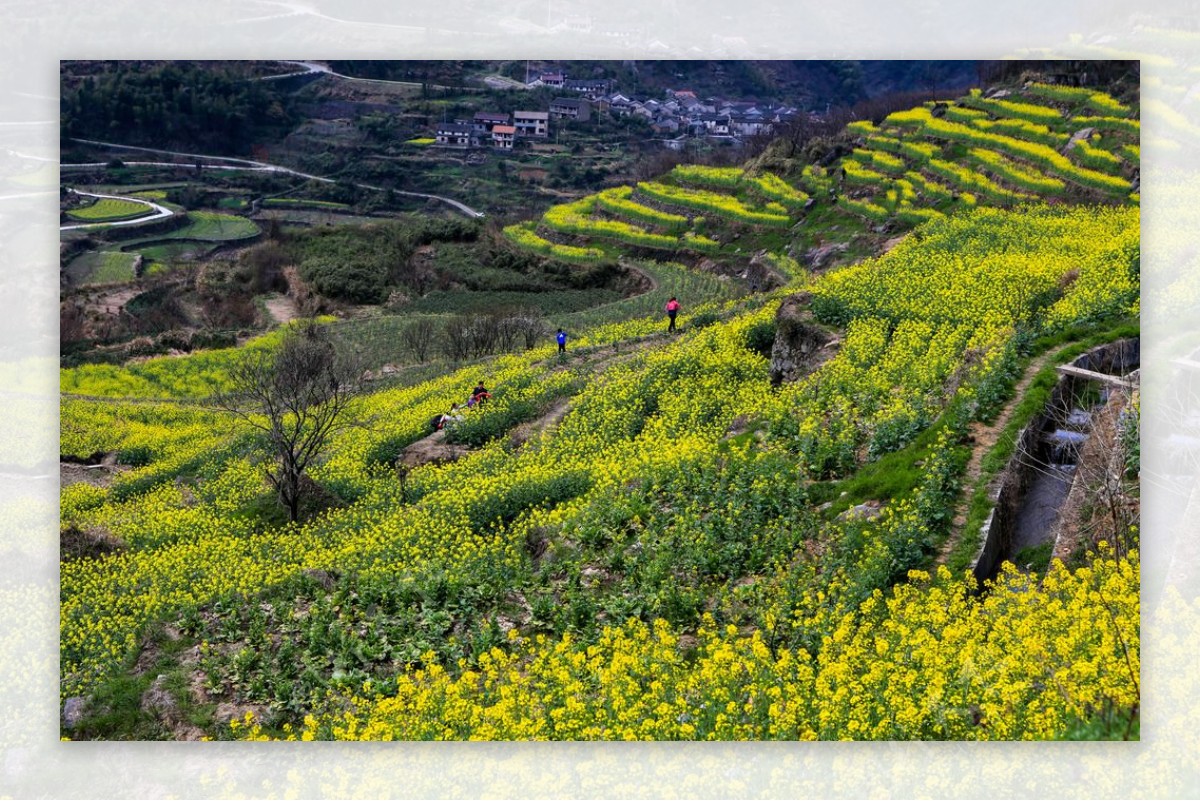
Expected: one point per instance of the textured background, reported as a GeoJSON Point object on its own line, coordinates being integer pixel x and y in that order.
{"type": "Point", "coordinates": [32, 40]}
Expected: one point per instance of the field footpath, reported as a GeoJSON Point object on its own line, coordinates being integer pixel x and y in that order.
{"type": "Point", "coordinates": [985, 436]}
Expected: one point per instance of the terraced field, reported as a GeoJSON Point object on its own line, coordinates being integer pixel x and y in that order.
{"type": "Point", "coordinates": [918, 165]}
{"type": "Point", "coordinates": [102, 267]}
{"type": "Point", "coordinates": [203, 231]}
{"type": "Point", "coordinates": [645, 537]}
{"type": "Point", "coordinates": [107, 209]}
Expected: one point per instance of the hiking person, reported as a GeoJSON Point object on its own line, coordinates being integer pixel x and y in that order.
{"type": "Point", "coordinates": [478, 395]}
{"type": "Point", "coordinates": [672, 310]}
{"type": "Point", "coordinates": [561, 336]}
{"type": "Point", "coordinates": [449, 418]}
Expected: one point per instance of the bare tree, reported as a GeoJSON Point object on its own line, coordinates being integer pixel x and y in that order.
{"type": "Point", "coordinates": [456, 338]}
{"type": "Point", "coordinates": [418, 336]}
{"type": "Point", "coordinates": [298, 395]}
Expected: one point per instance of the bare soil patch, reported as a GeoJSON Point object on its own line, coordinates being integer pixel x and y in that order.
{"type": "Point", "coordinates": [281, 308]}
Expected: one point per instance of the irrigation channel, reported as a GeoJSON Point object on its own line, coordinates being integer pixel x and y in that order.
{"type": "Point", "coordinates": [1031, 491]}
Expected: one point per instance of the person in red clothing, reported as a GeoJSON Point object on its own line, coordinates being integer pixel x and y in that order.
{"type": "Point", "coordinates": [672, 310]}
{"type": "Point", "coordinates": [478, 395]}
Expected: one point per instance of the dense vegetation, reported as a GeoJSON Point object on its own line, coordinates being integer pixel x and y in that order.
{"type": "Point", "coordinates": [205, 108]}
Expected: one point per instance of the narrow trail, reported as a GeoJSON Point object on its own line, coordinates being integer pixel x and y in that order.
{"type": "Point", "coordinates": [282, 308]}
{"type": "Point", "coordinates": [985, 436]}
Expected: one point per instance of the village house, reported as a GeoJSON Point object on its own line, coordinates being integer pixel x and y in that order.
{"type": "Point", "coordinates": [637, 108]}
{"type": "Point", "coordinates": [749, 125]}
{"type": "Point", "coordinates": [484, 121]}
{"type": "Point", "coordinates": [532, 123]}
{"type": "Point", "coordinates": [454, 134]}
{"type": "Point", "coordinates": [503, 136]}
{"type": "Point", "coordinates": [716, 124]}
{"type": "Point", "coordinates": [666, 125]}
{"type": "Point", "coordinates": [594, 87]}
{"type": "Point", "coordinates": [571, 109]}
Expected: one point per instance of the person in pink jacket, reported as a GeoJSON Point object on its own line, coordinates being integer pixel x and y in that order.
{"type": "Point", "coordinates": [672, 310]}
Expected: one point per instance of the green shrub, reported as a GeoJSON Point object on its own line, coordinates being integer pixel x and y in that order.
{"type": "Point", "coordinates": [354, 281]}
{"type": "Point", "coordinates": [760, 338]}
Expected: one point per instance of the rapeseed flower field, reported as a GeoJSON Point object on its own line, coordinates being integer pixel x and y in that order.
{"type": "Point", "coordinates": [669, 559]}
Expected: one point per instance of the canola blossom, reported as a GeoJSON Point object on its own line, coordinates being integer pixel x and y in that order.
{"type": "Point", "coordinates": [632, 544]}
{"type": "Point", "coordinates": [930, 660]}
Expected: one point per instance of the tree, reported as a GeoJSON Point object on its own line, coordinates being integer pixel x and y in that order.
{"type": "Point", "coordinates": [298, 395]}
{"type": "Point", "coordinates": [418, 336]}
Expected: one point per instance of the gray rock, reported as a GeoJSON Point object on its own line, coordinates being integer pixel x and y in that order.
{"type": "Point", "coordinates": [159, 701]}
{"type": "Point", "coordinates": [868, 510]}
{"type": "Point", "coordinates": [800, 344]}
{"type": "Point", "coordinates": [1082, 135]}
{"type": "Point", "coordinates": [74, 710]}
{"type": "Point", "coordinates": [818, 256]}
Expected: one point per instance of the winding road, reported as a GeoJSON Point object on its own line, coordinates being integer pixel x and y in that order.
{"type": "Point", "coordinates": [230, 163]}
{"type": "Point", "coordinates": [160, 212]}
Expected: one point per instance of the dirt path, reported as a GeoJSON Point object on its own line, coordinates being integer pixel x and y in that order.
{"type": "Point", "coordinates": [98, 475]}
{"type": "Point", "coordinates": [434, 448]}
{"type": "Point", "coordinates": [281, 308]}
{"type": "Point", "coordinates": [550, 419]}
{"type": "Point", "coordinates": [985, 436]}
{"type": "Point", "coordinates": [111, 302]}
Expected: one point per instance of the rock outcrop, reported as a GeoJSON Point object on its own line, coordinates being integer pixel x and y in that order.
{"type": "Point", "coordinates": [801, 345]}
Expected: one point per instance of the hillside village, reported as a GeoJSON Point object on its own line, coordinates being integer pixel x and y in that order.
{"type": "Point", "coordinates": [677, 117]}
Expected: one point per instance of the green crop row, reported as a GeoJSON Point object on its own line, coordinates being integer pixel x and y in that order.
{"type": "Point", "coordinates": [523, 236]}
{"type": "Point", "coordinates": [856, 173]}
{"type": "Point", "coordinates": [928, 187]}
{"type": "Point", "coordinates": [1098, 158]}
{"type": "Point", "coordinates": [815, 178]}
{"type": "Point", "coordinates": [1030, 112]}
{"type": "Point", "coordinates": [872, 211]}
{"type": "Point", "coordinates": [1079, 95]}
{"type": "Point", "coordinates": [964, 114]}
{"type": "Point", "coordinates": [288, 202]}
{"type": "Point", "coordinates": [573, 218]}
{"type": "Point", "coordinates": [1119, 124]}
{"type": "Point", "coordinates": [882, 159]}
{"type": "Point", "coordinates": [1038, 154]}
{"type": "Point", "coordinates": [775, 188]}
{"type": "Point", "coordinates": [915, 216]}
{"type": "Point", "coordinates": [722, 205]}
{"type": "Point", "coordinates": [972, 181]}
{"type": "Point", "coordinates": [109, 209]}
{"type": "Point", "coordinates": [1023, 129]}
{"type": "Point", "coordinates": [768, 185]}
{"type": "Point", "coordinates": [1015, 174]}
{"type": "Point", "coordinates": [617, 201]}
{"type": "Point", "coordinates": [700, 243]}
{"type": "Point", "coordinates": [716, 177]}
{"type": "Point", "coordinates": [917, 151]}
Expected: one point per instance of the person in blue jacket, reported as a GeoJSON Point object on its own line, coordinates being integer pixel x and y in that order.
{"type": "Point", "coordinates": [561, 336]}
